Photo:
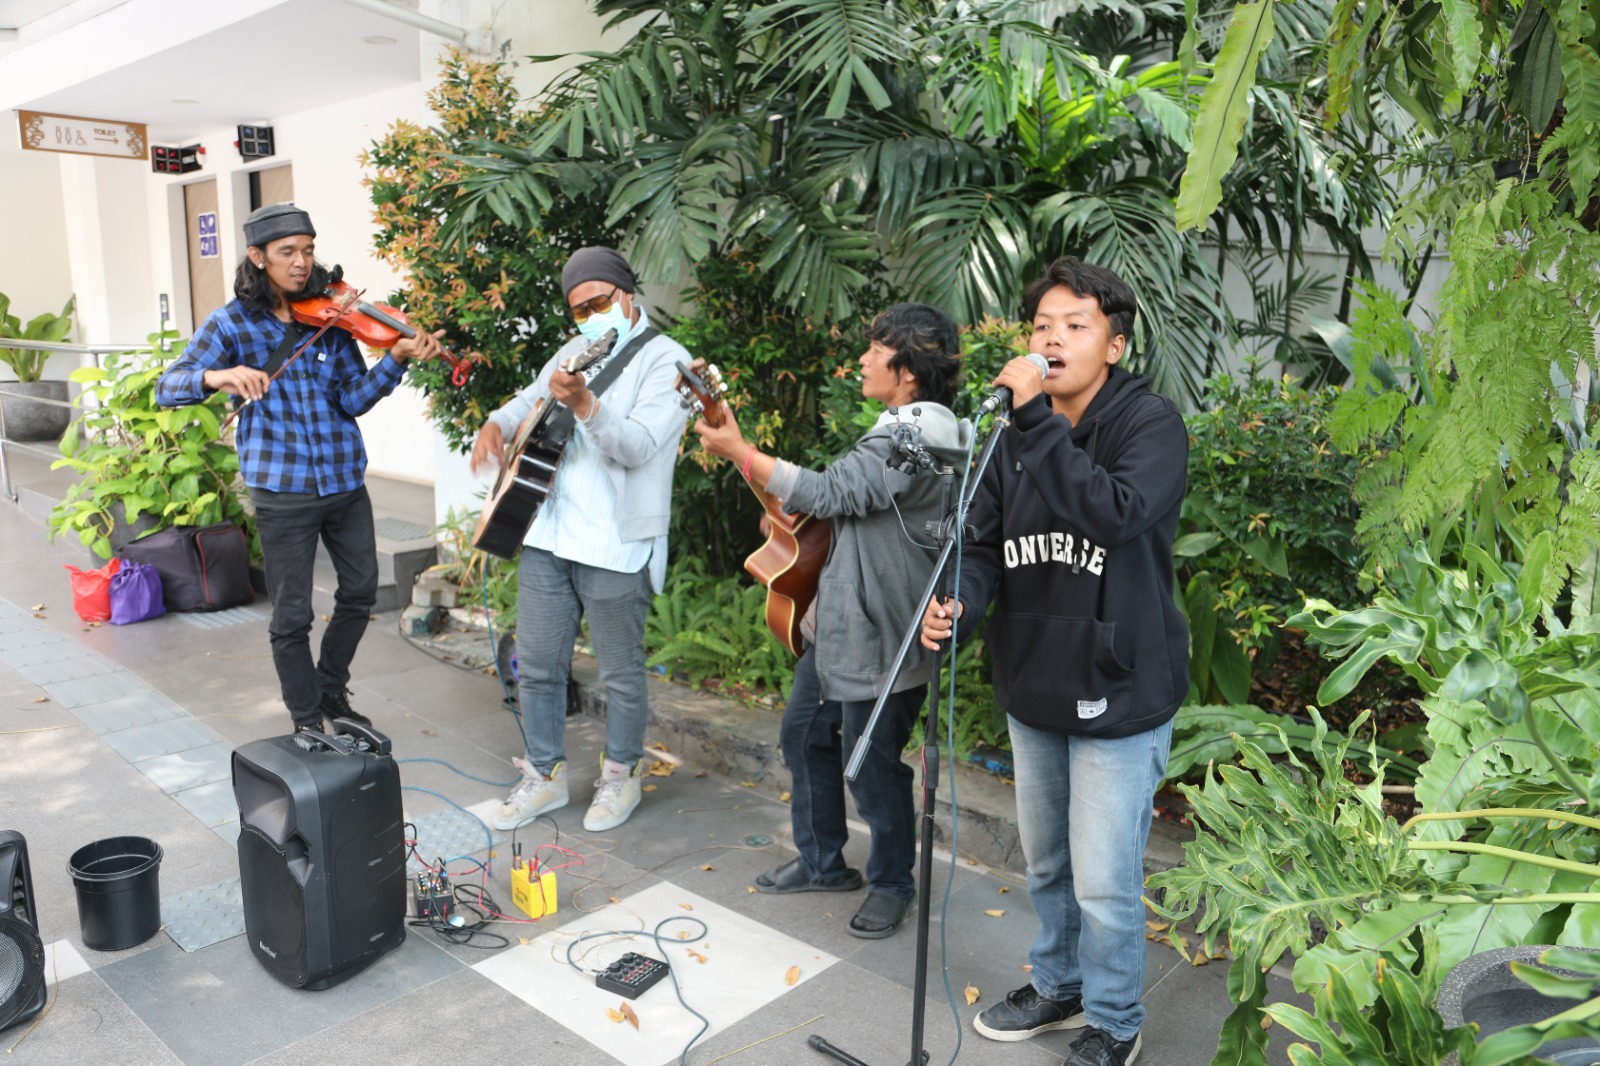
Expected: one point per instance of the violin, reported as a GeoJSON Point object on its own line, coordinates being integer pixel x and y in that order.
{"type": "Point", "coordinates": [335, 302]}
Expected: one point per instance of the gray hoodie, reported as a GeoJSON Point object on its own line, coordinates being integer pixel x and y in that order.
{"type": "Point", "coordinates": [881, 555]}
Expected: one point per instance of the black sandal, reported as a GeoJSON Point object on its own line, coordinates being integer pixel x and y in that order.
{"type": "Point", "coordinates": [880, 915]}
{"type": "Point", "coordinates": [791, 877]}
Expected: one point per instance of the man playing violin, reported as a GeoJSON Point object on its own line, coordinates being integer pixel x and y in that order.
{"type": "Point", "coordinates": [300, 450]}
{"type": "Point", "coordinates": [597, 547]}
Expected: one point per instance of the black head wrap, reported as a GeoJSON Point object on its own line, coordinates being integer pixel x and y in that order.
{"type": "Point", "coordinates": [267, 224]}
{"type": "Point", "coordinates": [598, 264]}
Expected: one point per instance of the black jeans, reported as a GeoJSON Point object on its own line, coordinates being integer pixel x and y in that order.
{"type": "Point", "coordinates": [289, 537]}
{"type": "Point", "coordinates": [816, 737]}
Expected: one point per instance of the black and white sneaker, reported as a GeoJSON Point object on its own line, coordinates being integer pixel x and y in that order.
{"type": "Point", "coordinates": [1096, 1047]}
{"type": "Point", "coordinates": [1025, 1013]}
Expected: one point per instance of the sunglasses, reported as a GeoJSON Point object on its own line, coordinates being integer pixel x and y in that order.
{"type": "Point", "coordinates": [597, 306]}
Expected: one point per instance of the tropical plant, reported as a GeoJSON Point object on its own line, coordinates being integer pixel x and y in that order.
{"type": "Point", "coordinates": [965, 147]}
{"type": "Point", "coordinates": [701, 627]}
{"type": "Point", "coordinates": [499, 297]}
{"type": "Point", "coordinates": [137, 458]}
{"type": "Point", "coordinates": [28, 364]}
{"type": "Point", "coordinates": [1496, 857]}
{"type": "Point", "coordinates": [1268, 520]}
{"type": "Point", "coordinates": [482, 579]}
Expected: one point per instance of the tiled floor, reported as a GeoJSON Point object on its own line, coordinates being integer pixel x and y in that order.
{"type": "Point", "coordinates": [128, 731]}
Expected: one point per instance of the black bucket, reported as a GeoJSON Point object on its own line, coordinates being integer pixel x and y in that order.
{"type": "Point", "coordinates": [119, 891]}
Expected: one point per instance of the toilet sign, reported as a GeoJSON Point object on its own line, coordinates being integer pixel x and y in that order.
{"type": "Point", "coordinates": [206, 223]}
{"type": "Point", "coordinates": [43, 132]}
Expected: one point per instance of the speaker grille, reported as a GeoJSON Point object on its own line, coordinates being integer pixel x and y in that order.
{"type": "Point", "coordinates": [274, 908]}
{"type": "Point", "coordinates": [21, 970]}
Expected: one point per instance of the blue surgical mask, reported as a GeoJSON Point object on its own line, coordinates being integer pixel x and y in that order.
{"type": "Point", "coordinates": [595, 326]}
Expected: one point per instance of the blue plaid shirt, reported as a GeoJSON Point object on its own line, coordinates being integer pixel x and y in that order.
{"type": "Point", "coordinates": [302, 435]}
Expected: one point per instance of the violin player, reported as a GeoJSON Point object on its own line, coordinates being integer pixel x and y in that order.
{"type": "Point", "coordinates": [300, 450]}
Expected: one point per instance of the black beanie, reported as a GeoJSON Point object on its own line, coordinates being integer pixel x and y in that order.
{"type": "Point", "coordinates": [598, 264]}
{"type": "Point", "coordinates": [267, 224]}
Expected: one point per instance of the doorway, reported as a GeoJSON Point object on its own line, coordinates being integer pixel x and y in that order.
{"type": "Point", "coordinates": [206, 274]}
{"type": "Point", "coordinates": [271, 185]}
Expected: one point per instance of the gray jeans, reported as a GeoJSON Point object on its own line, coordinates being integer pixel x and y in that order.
{"type": "Point", "coordinates": [553, 596]}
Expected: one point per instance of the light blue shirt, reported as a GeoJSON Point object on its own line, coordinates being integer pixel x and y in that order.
{"type": "Point", "coordinates": [579, 520]}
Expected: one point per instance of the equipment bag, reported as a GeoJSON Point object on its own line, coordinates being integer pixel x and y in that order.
{"type": "Point", "coordinates": [136, 594]}
{"type": "Point", "coordinates": [91, 591]}
{"type": "Point", "coordinates": [202, 568]}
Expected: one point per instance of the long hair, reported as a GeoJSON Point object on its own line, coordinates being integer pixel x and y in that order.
{"type": "Point", "coordinates": [926, 344]}
{"type": "Point", "coordinates": [253, 288]}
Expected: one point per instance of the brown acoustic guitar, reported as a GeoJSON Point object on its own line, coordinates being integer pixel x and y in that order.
{"type": "Point", "coordinates": [529, 466]}
{"type": "Point", "coordinates": [789, 564]}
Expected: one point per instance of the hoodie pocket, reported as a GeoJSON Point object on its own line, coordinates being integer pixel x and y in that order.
{"type": "Point", "coordinates": [1062, 674]}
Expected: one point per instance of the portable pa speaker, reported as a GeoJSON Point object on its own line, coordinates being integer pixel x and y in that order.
{"type": "Point", "coordinates": [321, 853]}
{"type": "Point", "coordinates": [22, 989]}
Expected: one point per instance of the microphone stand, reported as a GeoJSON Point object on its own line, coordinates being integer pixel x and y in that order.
{"type": "Point", "coordinates": [950, 531]}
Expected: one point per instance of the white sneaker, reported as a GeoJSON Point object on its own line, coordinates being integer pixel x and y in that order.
{"type": "Point", "coordinates": [616, 793]}
{"type": "Point", "coordinates": [534, 795]}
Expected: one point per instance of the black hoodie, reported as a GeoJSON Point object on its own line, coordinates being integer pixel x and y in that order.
{"type": "Point", "coordinates": [1074, 541]}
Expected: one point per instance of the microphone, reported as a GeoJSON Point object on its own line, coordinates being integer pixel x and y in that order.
{"type": "Point", "coordinates": [1001, 397]}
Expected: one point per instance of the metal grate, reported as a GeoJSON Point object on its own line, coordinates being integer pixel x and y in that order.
{"type": "Point", "coordinates": [400, 529]}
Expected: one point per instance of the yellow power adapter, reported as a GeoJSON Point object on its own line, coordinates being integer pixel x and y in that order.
{"type": "Point", "coordinates": [535, 898]}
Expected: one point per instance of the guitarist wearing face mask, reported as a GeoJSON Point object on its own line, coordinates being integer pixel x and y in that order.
{"type": "Point", "coordinates": [868, 592]}
{"type": "Point", "coordinates": [597, 546]}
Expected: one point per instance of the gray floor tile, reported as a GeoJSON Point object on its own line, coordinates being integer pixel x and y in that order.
{"type": "Point", "coordinates": [97, 689]}
{"type": "Point", "coordinates": [47, 652]}
{"type": "Point", "coordinates": [71, 668]}
{"type": "Point", "coordinates": [18, 633]}
{"type": "Point", "coordinates": [204, 916]}
{"type": "Point", "coordinates": [218, 1007]}
{"type": "Point", "coordinates": [188, 769]}
{"type": "Point", "coordinates": [213, 804]}
{"type": "Point", "coordinates": [88, 1022]}
{"type": "Point", "coordinates": [160, 738]}
{"type": "Point", "coordinates": [141, 708]}
{"type": "Point", "coordinates": [222, 619]}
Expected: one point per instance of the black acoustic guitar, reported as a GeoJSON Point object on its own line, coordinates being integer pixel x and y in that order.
{"type": "Point", "coordinates": [529, 465]}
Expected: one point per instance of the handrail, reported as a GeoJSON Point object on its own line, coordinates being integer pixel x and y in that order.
{"type": "Point", "coordinates": [92, 350]}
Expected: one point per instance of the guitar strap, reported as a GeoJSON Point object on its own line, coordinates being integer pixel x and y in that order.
{"type": "Point", "coordinates": [559, 428]}
{"type": "Point", "coordinates": [292, 332]}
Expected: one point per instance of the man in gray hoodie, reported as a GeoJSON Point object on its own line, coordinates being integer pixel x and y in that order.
{"type": "Point", "coordinates": [868, 594]}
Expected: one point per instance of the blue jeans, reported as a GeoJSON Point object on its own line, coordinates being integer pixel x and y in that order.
{"type": "Point", "coordinates": [1083, 813]}
{"type": "Point", "coordinates": [289, 538]}
{"type": "Point", "coordinates": [553, 596]}
{"type": "Point", "coordinates": [816, 737]}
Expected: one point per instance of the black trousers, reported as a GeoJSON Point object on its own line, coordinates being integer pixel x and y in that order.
{"type": "Point", "coordinates": [289, 538]}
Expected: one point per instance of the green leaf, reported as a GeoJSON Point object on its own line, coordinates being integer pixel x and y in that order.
{"type": "Point", "coordinates": [1224, 108]}
{"type": "Point", "coordinates": [1464, 33]}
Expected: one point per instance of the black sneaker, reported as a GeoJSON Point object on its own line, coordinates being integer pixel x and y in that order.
{"type": "Point", "coordinates": [1026, 1013]}
{"type": "Point", "coordinates": [1096, 1047]}
{"type": "Point", "coordinates": [311, 727]}
{"type": "Point", "coordinates": [336, 704]}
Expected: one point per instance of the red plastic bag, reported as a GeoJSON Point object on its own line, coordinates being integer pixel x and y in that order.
{"type": "Point", "coordinates": [91, 591]}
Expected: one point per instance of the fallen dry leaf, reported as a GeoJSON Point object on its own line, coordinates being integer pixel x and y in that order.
{"type": "Point", "coordinates": [700, 773]}
{"type": "Point", "coordinates": [41, 699]}
{"type": "Point", "coordinates": [701, 959]}
{"type": "Point", "coordinates": [971, 992]}
{"type": "Point", "coordinates": [750, 889]}
{"type": "Point", "coordinates": [783, 797]}
{"type": "Point", "coordinates": [747, 784]}
{"type": "Point", "coordinates": [658, 746]}
{"type": "Point", "coordinates": [994, 914]}
{"type": "Point", "coordinates": [647, 788]}
{"type": "Point", "coordinates": [1155, 927]}
{"type": "Point", "coordinates": [525, 940]}
{"type": "Point", "coordinates": [708, 867]}
{"type": "Point", "coordinates": [1027, 967]}
{"type": "Point", "coordinates": [614, 1015]}
{"type": "Point", "coordinates": [38, 614]}
{"type": "Point", "coordinates": [687, 906]}
{"type": "Point", "coordinates": [613, 899]}
{"type": "Point", "coordinates": [660, 769]}
{"type": "Point", "coordinates": [793, 976]}
{"type": "Point", "coordinates": [1004, 889]}
{"type": "Point", "coordinates": [684, 935]}
{"type": "Point", "coordinates": [1200, 958]}
{"type": "Point", "coordinates": [627, 1012]}
{"type": "Point", "coordinates": [37, 607]}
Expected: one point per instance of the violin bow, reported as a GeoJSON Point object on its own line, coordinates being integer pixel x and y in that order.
{"type": "Point", "coordinates": [344, 306]}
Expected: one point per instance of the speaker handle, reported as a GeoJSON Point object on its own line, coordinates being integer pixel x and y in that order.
{"type": "Point", "coordinates": [14, 867]}
{"type": "Point", "coordinates": [377, 741]}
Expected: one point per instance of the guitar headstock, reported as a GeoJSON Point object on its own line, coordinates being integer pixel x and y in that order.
{"type": "Point", "coordinates": [591, 355]}
{"type": "Point", "coordinates": [700, 386]}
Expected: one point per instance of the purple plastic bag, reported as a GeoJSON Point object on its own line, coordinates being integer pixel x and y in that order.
{"type": "Point", "coordinates": [136, 593]}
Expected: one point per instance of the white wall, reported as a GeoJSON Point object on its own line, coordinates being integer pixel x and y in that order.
{"type": "Point", "coordinates": [34, 269]}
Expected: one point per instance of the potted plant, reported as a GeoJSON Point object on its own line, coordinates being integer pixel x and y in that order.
{"type": "Point", "coordinates": [144, 467]}
{"type": "Point", "coordinates": [24, 419]}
